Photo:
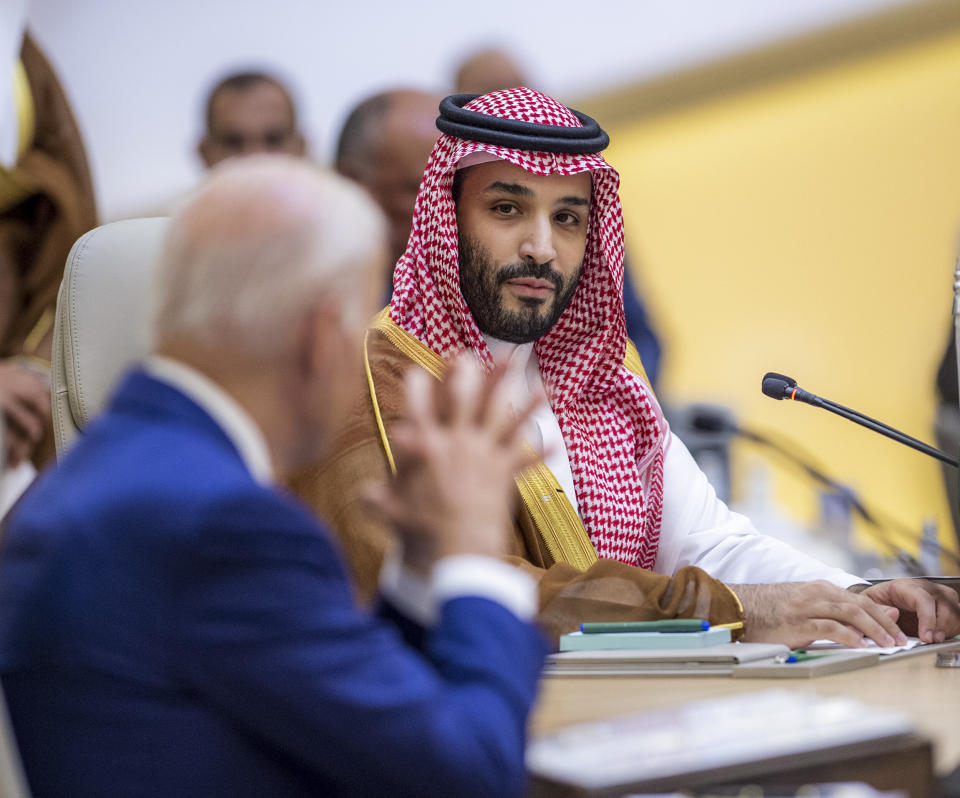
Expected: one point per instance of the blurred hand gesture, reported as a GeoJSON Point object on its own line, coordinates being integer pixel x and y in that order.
{"type": "Point", "coordinates": [456, 456]}
{"type": "Point", "coordinates": [25, 402]}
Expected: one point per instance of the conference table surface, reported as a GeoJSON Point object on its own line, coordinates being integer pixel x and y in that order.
{"type": "Point", "coordinates": [913, 685]}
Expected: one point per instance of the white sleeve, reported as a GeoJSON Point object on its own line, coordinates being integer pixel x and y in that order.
{"type": "Point", "coordinates": [699, 529]}
{"type": "Point", "coordinates": [453, 577]}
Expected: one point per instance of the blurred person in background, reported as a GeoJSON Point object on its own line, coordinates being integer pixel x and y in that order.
{"type": "Point", "coordinates": [46, 203]}
{"type": "Point", "coordinates": [248, 113]}
{"type": "Point", "coordinates": [173, 624]}
{"type": "Point", "coordinates": [488, 70]}
{"type": "Point", "coordinates": [245, 113]}
{"type": "Point", "coordinates": [492, 69]}
{"type": "Point", "coordinates": [384, 145]}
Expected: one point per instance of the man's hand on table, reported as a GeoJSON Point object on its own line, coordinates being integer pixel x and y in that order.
{"type": "Point", "coordinates": [797, 613]}
{"type": "Point", "coordinates": [928, 611]}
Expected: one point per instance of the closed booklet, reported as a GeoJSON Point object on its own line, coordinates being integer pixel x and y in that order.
{"type": "Point", "coordinates": [578, 641]}
{"type": "Point", "coordinates": [711, 660]}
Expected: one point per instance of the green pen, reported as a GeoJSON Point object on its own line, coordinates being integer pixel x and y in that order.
{"type": "Point", "coordinates": [675, 625]}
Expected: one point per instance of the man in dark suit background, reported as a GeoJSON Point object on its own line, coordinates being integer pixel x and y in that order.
{"type": "Point", "coordinates": [171, 623]}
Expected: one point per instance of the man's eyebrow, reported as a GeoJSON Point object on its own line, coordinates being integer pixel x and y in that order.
{"type": "Point", "coordinates": [520, 190]}
{"type": "Point", "coordinates": [516, 189]}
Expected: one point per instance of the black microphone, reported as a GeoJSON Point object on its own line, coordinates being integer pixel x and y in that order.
{"type": "Point", "coordinates": [778, 386]}
{"type": "Point", "coordinates": [712, 420]}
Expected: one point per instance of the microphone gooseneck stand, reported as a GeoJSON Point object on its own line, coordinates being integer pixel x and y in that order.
{"type": "Point", "coordinates": [880, 524]}
{"type": "Point", "coordinates": [779, 386]}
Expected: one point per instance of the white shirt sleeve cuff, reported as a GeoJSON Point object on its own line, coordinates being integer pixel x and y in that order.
{"type": "Point", "coordinates": [406, 591]}
{"type": "Point", "coordinates": [486, 577]}
{"type": "Point", "coordinates": [457, 577]}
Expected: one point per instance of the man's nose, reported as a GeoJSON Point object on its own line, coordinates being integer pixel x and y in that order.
{"type": "Point", "coordinates": [538, 241]}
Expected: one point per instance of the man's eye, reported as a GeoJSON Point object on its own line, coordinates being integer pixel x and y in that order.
{"type": "Point", "coordinates": [565, 217]}
{"type": "Point", "coordinates": [505, 208]}
{"type": "Point", "coordinates": [231, 141]}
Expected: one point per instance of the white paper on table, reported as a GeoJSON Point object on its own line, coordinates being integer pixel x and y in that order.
{"type": "Point", "coordinates": [869, 645]}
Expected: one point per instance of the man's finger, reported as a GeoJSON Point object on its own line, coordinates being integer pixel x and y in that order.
{"type": "Point", "coordinates": [493, 394]}
{"type": "Point", "coordinates": [27, 421]}
{"type": "Point", "coordinates": [948, 610]}
{"type": "Point", "coordinates": [864, 615]}
{"type": "Point", "coordinates": [890, 634]}
{"type": "Point", "coordinates": [498, 412]}
{"type": "Point", "coordinates": [419, 393]}
{"type": "Point", "coordinates": [465, 380]}
{"type": "Point", "coordinates": [925, 605]}
{"type": "Point", "coordinates": [827, 629]}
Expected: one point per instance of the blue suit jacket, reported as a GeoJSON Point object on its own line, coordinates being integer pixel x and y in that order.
{"type": "Point", "coordinates": [169, 627]}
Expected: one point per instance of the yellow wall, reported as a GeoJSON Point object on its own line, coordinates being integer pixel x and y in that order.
{"type": "Point", "coordinates": [809, 227]}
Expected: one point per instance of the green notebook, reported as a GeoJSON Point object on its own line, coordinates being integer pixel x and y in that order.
{"type": "Point", "coordinates": [578, 641]}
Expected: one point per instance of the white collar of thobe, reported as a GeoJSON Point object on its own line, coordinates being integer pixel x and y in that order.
{"type": "Point", "coordinates": [236, 423]}
{"type": "Point", "coordinates": [523, 368]}
{"type": "Point", "coordinates": [523, 381]}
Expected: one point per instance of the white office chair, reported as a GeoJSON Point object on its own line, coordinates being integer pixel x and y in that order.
{"type": "Point", "coordinates": [102, 322]}
{"type": "Point", "coordinates": [13, 784]}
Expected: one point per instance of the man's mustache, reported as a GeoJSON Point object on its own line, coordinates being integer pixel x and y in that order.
{"type": "Point", "coordinates": [538, 271]}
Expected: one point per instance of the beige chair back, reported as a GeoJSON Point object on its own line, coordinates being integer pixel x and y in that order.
{"type": "Point", "coordinates": [102, 324]}
{"type": "Point", "coordinates": [13, 784]}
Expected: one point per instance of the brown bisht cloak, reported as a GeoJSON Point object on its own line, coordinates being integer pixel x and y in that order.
{"type": "Point", "coordinates": [53, 206]}
{"type": "Point", "coordinates": [549, 541]}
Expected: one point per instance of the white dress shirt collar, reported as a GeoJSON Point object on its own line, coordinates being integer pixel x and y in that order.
{"type": "Point", "coordinates": [236, 423]}
{"type": "Point", "coordinates": [517, 355]}
{"type": "Point", "coordinates": [523, 381]}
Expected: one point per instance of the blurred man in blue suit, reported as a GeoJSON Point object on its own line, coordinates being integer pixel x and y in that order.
{"type": "Point", "coordinates": [171, 623]}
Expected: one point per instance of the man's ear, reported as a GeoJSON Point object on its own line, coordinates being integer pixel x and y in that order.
{"type": "Point", "coordinates": [203, 150]}
{"type": "Point", "coordinates": [299, 145]}
{"type": "Point", "coordinates": [351, 169]}
{"type": "Point", "coordinates": [319, 338]}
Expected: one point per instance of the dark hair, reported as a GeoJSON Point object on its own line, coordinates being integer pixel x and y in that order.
{"type": "Point", "coordinates": [457, 186]}
{"type": "Point", "coordinates": [244, 81]}
{"type": "Point", "coordinates": [358, 134]}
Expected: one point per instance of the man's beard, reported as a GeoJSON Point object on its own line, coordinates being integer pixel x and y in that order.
{"type": "Point", "coordinates": [481, 283]}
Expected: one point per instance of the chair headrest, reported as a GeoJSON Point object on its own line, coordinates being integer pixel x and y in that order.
{"type": "Point", "coordinates": [102, 324]}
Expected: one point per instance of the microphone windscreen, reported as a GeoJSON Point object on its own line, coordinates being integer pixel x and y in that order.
{"type": "Point", "coordinates": [777, 386]}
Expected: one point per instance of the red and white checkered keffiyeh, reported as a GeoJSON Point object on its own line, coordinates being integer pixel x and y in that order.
{"type": "Point", "coordinates": [612, 426]}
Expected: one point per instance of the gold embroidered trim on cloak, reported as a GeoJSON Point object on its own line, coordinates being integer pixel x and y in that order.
{"type": "Point", "coordinates": [410, 345]}
{"type": "Point", "coordinates": [39, 331]}
{"type": "Point", "coordinates": [376, 405]}
{"type": "Point", "coordinates": [631, 360]}
{"type": "Point", "coordinates": [557, 522]}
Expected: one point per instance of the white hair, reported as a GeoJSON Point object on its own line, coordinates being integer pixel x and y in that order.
{"type": "Point", "coordinates": [259, 244]}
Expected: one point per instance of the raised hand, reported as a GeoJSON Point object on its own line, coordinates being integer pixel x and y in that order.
{"type": "Point", "coordinates": [25, 403]}
{"type": "Point", "coordinates": [456, 455]}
